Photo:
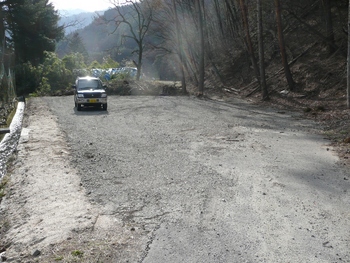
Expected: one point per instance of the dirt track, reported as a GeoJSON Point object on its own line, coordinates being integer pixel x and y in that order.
{"type": "Point", "coordinates": [169, 179]}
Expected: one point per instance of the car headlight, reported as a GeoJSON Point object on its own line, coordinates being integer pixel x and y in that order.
{"type": "Point", "coordinates": [80, 95]}
{"type": "Point", "coordinates": [104, 95]}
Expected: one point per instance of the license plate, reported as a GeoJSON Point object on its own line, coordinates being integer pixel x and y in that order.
{"type": "Point", "coordinates": [92, 100]}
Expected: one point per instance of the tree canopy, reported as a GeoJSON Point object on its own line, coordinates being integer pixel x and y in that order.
{"type": "Point", "coordinates": [33, 28]}
{"type": "Point", "coordinates": [29, 28]}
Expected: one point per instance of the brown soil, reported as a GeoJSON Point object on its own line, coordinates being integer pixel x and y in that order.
{"type": "Point", "coordinates": [320, 94]}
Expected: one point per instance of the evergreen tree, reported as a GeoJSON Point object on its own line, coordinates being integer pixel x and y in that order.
{"type": "Point", "coordinates": [76, 45]}
{"type": "Point", "coordinates": [33, 29]}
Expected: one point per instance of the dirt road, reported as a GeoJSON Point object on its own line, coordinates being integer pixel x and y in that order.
{"type": "Point", "coordinates": [173, 179]}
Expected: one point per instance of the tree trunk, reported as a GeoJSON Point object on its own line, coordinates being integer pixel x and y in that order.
{"type": "Point", "coordinates": [282, 46]}
{"type": "Point", "coordinates": [329, 26]}
{"type": "Point", "coordinates": [208, 46]}
{"type": "Point", "coordinates": [219, 17]}
{"type": "Point", "coordinates": [2, 35]}
{"type": "Point", "coordinates": [201, 48]}
{"type": "Point", "coordinates": [248, 39]}
{"type": "Point", "coordinates": [141, 14]}
{"type": "Point", "coordinates": [180, 50]}
{"type": "Point", "coordinates": [232, 15]}
{"type": "Point", "coordinates": [265, 94]}
{"type": "Point", "coordinates": [348, 64]}
{"type": "Point", "coordinates": [139, 63]}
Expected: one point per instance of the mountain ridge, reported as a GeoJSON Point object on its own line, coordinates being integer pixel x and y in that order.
{"type": "Point", "coordinates": [76, 19]}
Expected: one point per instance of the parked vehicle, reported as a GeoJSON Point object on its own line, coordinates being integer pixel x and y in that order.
{"type": "Point", "coordinates": [90, 91]}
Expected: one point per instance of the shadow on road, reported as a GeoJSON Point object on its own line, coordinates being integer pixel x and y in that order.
{"type": "Point", "coordinates": [90, 111]}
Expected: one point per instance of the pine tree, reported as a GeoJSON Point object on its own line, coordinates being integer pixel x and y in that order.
{"type": "Point", "coordinates": [33, 29]}
{"type": "Point", "coordinates": [76, 45]}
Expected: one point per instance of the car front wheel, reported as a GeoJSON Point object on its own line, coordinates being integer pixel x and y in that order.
{"type": "Point", "coordinates": [104, 106]}
{"type": "Point", "coordinates": [79, 107]}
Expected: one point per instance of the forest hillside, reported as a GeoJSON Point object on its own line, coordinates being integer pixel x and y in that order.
{"type": "Point", "coordinates": [315, 43]}
{"type": "Point", "coordinates": [289, 53]}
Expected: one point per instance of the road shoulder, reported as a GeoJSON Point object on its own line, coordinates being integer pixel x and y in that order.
{"type": "Point", "coordinates": [46, 212]}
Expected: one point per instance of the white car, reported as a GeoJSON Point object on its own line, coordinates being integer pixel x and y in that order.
{"type": "Point", "coordinates": [90, 91]}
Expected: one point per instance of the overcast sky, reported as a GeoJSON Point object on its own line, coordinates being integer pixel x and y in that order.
{"type": "Point", "coordinates": [87, 5]}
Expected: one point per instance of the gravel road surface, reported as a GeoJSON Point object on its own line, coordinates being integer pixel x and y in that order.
{"type": "Point", "coordinates": [175, 179]}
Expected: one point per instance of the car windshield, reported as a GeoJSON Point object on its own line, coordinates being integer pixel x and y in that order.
{"type": "Point", "coordinates": [89, 84]}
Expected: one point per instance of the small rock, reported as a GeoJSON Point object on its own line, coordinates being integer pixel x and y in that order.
{"type": "Point", "coordinates": [347, 140]}
{"type": "Point", "coordinates": [3, 257]}
{"type": "Point", "coordinates": [36, 253]}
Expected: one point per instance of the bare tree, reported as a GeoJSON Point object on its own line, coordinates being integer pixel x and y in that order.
{"type": "Point", "coordinates": [348, 64]}
{"type": "Point", "coordinates": [248, 39]}
{"type": "Point", "coordinates": [219, 18]}
{"type": "Point", "coordinates": [231, 16]}
{"type": "Point", "coordinates": [201, 47]}
{"type": "Point", "coordinates": [329, 26]}
{"type": "Point", "coordinates": [180, 48]}
{"type": "Point", "coordinates": [265, 94]}
{"type": "Point", "coordinates": [138, 21]}
{"type": "Point", "coordinates": [283, 46]}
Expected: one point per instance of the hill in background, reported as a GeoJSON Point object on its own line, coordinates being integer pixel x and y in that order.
{"type": "Point", "coordinates": [76, 19]}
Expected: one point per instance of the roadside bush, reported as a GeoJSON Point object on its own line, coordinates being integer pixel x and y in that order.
{"type": "Point", "coordinates": [95, 64]}
{"type": "Point", "coordinates": [55, 75]}
{"type": "Point", "coordinates": [74, 61]}
{"type": "Point", "coordinates": [7, 90]}
{"type": "Point", "coordinates": [44, 87]}
{"type": "Point", "coordinates": [27, 78]}
{"type": "Point", "coordinates": [46, 79]}
{"type": "Point", "coordinates": [122, 76]}
{"type": "Point", "coordinates": [108, 62]}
